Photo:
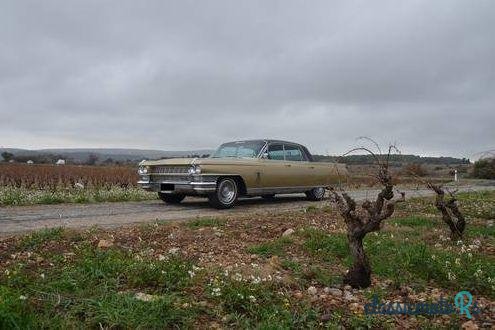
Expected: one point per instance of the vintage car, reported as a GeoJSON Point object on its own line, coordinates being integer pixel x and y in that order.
{"type": "Point", "coordinates": [242, 168]}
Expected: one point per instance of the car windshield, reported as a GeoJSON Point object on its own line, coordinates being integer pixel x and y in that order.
{"type": "Point", "coordinates": [240, 149]}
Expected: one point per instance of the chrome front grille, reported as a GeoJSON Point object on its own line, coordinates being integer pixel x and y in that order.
{"type": "Point", "coordinates": [170, 178]}
{"type": "Point", "coordinates": [169, 169]}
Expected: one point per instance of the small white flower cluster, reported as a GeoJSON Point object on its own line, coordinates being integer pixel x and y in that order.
{"type": "Point", "coordinates": [193, 271]}
{"type": "Point", "coordinates": [250, 298]}
{"type": "Point", "coordinates": [216, 292]}
{"type": "Point", "coordinates": [479, 272]}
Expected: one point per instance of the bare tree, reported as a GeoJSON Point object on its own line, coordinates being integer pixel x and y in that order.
{"type": "Point", "coordinates": [451, 214]}
{"type": "Point", "coordinates": [367, 219]}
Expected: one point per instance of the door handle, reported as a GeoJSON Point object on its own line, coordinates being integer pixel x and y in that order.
{"type": "Point", "coordinates": [311, 167]}
{"type": "Point", "coordinates": [288, 165]}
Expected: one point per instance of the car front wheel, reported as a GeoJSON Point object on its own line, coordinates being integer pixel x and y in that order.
{"type": "Point", "coordinates": [171, 198]}
{"type": "Point", "coordinates": [225, 195]}
{"type": "Point", "coordinates": [316, 194]}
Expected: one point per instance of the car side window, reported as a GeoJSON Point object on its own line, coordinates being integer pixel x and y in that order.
{"type": "Point", "coordinates": [294, 153]}
{"type": "Point", "coordinates": [276, 152]}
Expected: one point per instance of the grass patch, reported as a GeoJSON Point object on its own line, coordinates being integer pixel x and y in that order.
{"type": "Point", "coordinates": [478, 204]}
{"type": "Point", "coordinates": [248, 305]}
{"type": "Point", "coordinates": [291, 265]}
{"type": "Point", "coordinates": [476, 231]}
{"type": "Point", "coordinates": [96, 289]}
{"type": "Point", "coordinates": [325, 246]}
{"type": "Point", "coordinates": [271, 248]}
{"type": "Point", "coordinates": [206, 222]}
{"type": "Point", "coordinates": [416, 262]}
{"type": "Point", "coordinates": [322, 276]}
{"type": "Point", "coordinates": [38, 238]}
{"type": "Point", "coordinates": [311, 209]}
{"type": "Point", "coordinates": [415, 221]}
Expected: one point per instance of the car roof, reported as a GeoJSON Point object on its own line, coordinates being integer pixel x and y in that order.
{"type": "Point", "coordinates": [306, 151]}
{"type": "Point", "coordinates": [268, 141]}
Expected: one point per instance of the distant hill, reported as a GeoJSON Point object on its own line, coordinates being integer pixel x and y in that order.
{"type": "Point", "coordinates": [113, 155]}
{"type": "Point", "coordinates": [394, 160]}
{"type": "Point", "coordinates": [102, 155]}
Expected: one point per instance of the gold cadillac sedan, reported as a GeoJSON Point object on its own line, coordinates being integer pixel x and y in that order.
{"type": "Point", "coordinates": [241, 168]}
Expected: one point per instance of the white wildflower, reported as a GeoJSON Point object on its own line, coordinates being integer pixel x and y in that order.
{"type": "Point", "coordinates": [252, 298]}
{"type": "Point", "coordinates": [216, 292]}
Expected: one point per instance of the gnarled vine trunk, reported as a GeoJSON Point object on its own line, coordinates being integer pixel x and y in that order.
{"type": "Point", "coordinates": [451, 214]}
{"type": "Point", "coordinates": [359, 275]}
{"type": "Point", "coordinates": [361, 222]}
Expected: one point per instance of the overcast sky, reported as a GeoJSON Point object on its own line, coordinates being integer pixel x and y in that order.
{"type": "Point", "coordinates": [178, 75]}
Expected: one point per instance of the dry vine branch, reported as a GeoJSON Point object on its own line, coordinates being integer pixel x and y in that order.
{"type": "Point", "coordinates": [369, 219]}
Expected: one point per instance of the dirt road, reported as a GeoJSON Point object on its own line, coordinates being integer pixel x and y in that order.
{"type": "Point", "coordinates": [26, 218]}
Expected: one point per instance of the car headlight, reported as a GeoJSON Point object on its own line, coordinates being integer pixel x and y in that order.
{"type": "Point", "coordinates": [143, 170]}
{"type": "Point", "coordinates": [194, 169]}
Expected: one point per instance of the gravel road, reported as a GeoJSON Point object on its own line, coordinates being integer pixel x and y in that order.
{"type": "Point", "coordinates": [26, 218]}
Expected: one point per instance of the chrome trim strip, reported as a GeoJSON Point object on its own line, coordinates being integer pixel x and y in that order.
{"type": "Point", "coordinates": [280, 190]}
{"type": "Point", "coordinates": [180, 186]}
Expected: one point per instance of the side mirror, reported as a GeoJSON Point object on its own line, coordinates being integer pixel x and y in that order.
{"type": "Point", "coordinates": [264, 155]}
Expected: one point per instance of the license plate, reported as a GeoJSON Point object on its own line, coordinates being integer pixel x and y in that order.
{"type": "Point", "coordinates": [167, 187]}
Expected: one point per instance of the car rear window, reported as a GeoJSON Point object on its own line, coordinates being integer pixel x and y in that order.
{"type": "Point", "coordinates": [294, 153]}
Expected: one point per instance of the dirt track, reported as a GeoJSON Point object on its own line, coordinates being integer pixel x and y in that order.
{"type": "Point", "coordinates": [26, 218]}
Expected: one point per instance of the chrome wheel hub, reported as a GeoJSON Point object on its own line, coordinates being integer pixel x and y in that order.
{"type": "Point", "coordinates": [319, 192]}
{"type": "Point", "coordinates": [226, 192]}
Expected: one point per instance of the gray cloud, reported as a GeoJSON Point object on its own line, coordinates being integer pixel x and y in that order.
{"type": "Point", "coordinates": [184, 74]}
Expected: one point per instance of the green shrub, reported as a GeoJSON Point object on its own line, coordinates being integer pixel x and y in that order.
{"type": "Point", "coordinates": [484, 169]}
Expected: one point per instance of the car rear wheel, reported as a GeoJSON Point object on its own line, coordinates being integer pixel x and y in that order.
{"type": "Point", "coordinates": [171, 198]}
{"type": "Point", "coordinates": [316, 194]}
{"type": "Point", "coordinates": [225, 195]}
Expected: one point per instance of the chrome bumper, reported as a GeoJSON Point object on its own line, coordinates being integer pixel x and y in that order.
{"type": "Point", "coordinates": [179, 187]}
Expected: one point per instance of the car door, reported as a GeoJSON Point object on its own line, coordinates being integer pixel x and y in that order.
{"type": "Point", "coordinates": [274, 169]}
{"type": "Point", "coordinates": [297, 166]}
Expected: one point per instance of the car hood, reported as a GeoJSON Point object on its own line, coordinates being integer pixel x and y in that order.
{"type": "Point", "coordinates": [199, 161]}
